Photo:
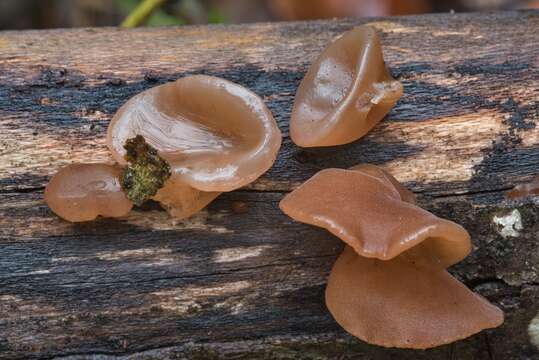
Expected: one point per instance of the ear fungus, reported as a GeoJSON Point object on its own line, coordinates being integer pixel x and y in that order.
{"type": "Point", "coordinates": [390, 286]}
{"type": "Point", "coordinates": [215, 135]}
{"type": "Point", "coordinates": [81, 192]}
{"type": "Point", "coordinates": [345, 93]}
{"type": "Point", "coordinates": [524, 190]}
{"type": "Point", "coordinates": [368, 212]}
{"type": "Point", "coordinates": [397, 303]}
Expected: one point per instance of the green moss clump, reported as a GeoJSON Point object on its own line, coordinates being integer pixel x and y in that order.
{"type": "Point", "coordinates": [145, 173]}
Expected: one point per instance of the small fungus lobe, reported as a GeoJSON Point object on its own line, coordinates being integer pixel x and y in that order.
{"type": "Point", "coordinates": [81, 192]}
{"type": "Point", "coordinates": [345, 93]}
{"type": "Point", "coordinates": [390, 286]}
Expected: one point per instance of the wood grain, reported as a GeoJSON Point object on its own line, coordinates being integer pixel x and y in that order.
{"type": "Point", "coordinates": [240, 280]}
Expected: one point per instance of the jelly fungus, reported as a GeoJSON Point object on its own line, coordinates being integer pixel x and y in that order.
{"type": "Point", "coordinates": [400, 303]}
{"type": "Point", "coordinates": [390, 286]}
{"type": "Point", "coordinates": [345, 93]}
{"type": "Point", "coordinates": [81, 192]}
{"type": "Point", "coordinates": [214, 135]}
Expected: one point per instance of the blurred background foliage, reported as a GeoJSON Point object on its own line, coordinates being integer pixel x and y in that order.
{"type": "Point", "coordinates": [32, 14]}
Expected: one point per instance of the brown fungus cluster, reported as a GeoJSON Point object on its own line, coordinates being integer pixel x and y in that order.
{"type": "Point", "coordinates": [185, 142]}
{"type": "Point", "coordinates": [182, 144]}
{"type": "Point", "coordinates": [390, 286]}
{"type": "Point", "coordinates": [215, 135]}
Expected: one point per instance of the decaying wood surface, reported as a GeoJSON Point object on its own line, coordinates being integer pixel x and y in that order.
{"type": "Point", "coordinates": [240, 280]}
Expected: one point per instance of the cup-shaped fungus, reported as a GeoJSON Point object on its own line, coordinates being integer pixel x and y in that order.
{"type": "Point", "coordinates": [214, 135]}
{"type": "Point", "coordinates": [398, 303]}
{"type": "Point", "coordinates": [81, 192]}
{"type": "Point", "coordinates": [524, 190]}
{"type": "Point", "coordinates": [390, 286]}
{"type": "Point", "coordinates": [345, 93]}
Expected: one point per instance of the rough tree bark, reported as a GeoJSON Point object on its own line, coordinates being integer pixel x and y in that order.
{"type": "Point", "coordinates": [240, 279]}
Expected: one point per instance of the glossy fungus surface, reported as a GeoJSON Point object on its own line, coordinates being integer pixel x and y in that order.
{"type": "Point", "coordinates": [81, 192]}
{"type": "Point", "coordinates": [346, 91]}
{"type": "Point", "coordinates": [390, 286]}
{"type": "Point", "coordinates": [216, 135]}
{"type": "Point", "coordinates": [524, 190]}
{"type": "Point", "coordinates": [377, 172]}
{"type": "Point", "coordinates": [398, 303]}
{"type": "Point", "coordinates": [365, 209]}
{"type": "Point", "coordinates": [182, 200]}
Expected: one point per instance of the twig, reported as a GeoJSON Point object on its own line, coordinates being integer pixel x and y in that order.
{"type": "Point", "coordinates": [141, 13]}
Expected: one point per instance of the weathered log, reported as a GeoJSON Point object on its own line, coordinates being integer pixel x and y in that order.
{"type": "Point", "coordinates": [240, 279]}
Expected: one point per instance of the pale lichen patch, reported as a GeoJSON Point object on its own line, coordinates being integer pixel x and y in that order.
{"type": "Point", "coordinates": [163, 261]}
{"type": "Point", "coordinates": [15, 307]}
{"type": "Point", "coordinates": [37, 272]}
{"type": "Point", "coordinates": [508, 225]}
{"type": "Point", "coordinates": [263, 184]}
{"type": "Point", "coordinates": [155, 220]}
{"type": "Point", "coordinates": [181, 307]}
{"type": "Point", "coordinates": [11, 298]}
{"type": "Point", "coordinates": [394, 27]}
{"type": "Point", "coordinates": [455, 157]}
{"type": "Point", "coordinates": [233, 305]}
{"type": "Point", "coordinates": [201, 221]}
{"type": "Point", "coordinates": [156, 256]}
{"type": "Point", "coordinates": [438, 33]}
{"type": "Point", "coordinates": [533, 331]}
{"type": "Point", "coordinates": [160, 220]}
{"type": "Point", "coordinates": [191, 292]}
{"type": "Point", "coordinates": [191, 298]}
{"type": "Point", "coordinates": [532, 137]}
{"type": "Point", "coordinates": [66, 259]}
{"type": "Point", "coordinates": [237, 308]}
{"type": "Point", "coordinates": [238, 253]}
{"type": "Point", "coordinates": [135, 253]}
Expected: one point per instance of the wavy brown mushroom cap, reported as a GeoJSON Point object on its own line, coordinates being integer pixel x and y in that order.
{"type": "Point", "coordinates": [398, 303]}
{"type": "Point", "coordinates": [345, 92]}
{"type": "Point", "coordinates": [81, 192]}
{"type": "Point", "coordinates": [216, 135]}
{"type": "Point", "coordinates": [524, 190]}
{"type": "Point", "coordinates": [370, 214]}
